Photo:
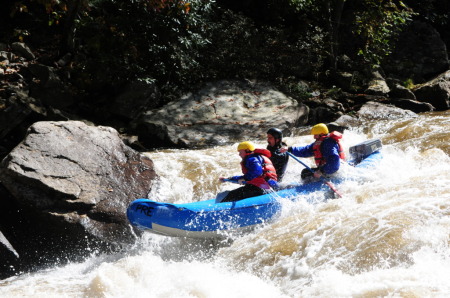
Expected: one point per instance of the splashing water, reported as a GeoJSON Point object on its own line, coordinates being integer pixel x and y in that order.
{"type": "Point", "coordinates": [389, 236]}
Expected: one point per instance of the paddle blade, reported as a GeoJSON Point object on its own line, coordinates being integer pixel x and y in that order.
{"type": "Point", "coordinates": [333, 188]}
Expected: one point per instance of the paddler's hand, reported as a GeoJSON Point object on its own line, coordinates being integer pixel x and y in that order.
{"type": "Point", "coordinates": [241, 181]}
{"type": "Point", "coordinates": [317, 174]}
{"type": "Point", "coordinates": [284, 149]}
{"type": "Point", "coordinates": [222, 179]}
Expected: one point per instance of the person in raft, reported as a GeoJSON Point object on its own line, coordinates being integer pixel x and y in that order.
{"type": "Point", "coordinates": [259, 174]}
{"type": "Point", "coordinates": [274, 145]}
{"type": "Point", "coordinates": [326, 149]}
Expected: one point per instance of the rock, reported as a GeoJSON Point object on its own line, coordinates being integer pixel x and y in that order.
{"type": "Point", "coordinates": [137, 97]}
{"type": "Point", "coordinates": [412, 105]}
{"type": "Point", "coordinates": [347, 121]}
{"type": "Point", "coordinates": [6, 57]}
{"type": "Point", "coordinates": [435, 92]}
{"type": "Point", "coordinates": [399, 91]}
{"type": "Point", "coordinates": [377, 85]}
{"type": "Point", "coordinates": [345, 63]}
{"type": "Point", "coordinates": [78, 178]}
{"type": "Point", "coordinates": [334, 126]}
{"type": "Point", "coordinates": [17, 113]}
{"type": "Point", "coordinates": [64, 60]}
{"type": "Point", "coordinates": [420, 53]}
{"type": "Point", "coordinates": [375, 110]}
{"type": "Point", "coordinates": [344, 80]}
{"type": "Point", "coordinates": [221, 113]}
{"type": "Point", "coordinates": [323, 114]}
{"type": "Point", "coordinates": [49, 88]}
{"type": "Point", "coordinates": [22, 50]}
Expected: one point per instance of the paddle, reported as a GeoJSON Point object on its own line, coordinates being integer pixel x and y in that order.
{"type": "Point", "coordinates": [229, 180]}
{"type": "Point", "coordinates": [324, 181]}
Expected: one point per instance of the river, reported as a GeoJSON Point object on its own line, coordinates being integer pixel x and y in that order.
{"type": "Point", "coordinates": [389, 236]}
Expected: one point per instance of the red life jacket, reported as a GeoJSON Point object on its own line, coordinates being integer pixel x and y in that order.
{"type": "Point", "coordinates": [318, 156]}
{"type": "Point", "coordinates": [269, 171]}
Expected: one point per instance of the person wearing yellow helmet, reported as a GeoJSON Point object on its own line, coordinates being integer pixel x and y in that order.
{"type": "Point", "coordinates": [247, 146]}
{"type": "Point", "coordinates": [326, 149]}
{"type": "Point", "coordinates": [319, 129]}
{"type": "Point", "coordinates": [259, 174]}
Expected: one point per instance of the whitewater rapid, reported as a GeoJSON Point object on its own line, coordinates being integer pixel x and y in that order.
{"type": "Point", "coordinates": [389, 236]}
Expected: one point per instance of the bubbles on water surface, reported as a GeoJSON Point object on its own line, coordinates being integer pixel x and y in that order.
{"type": "Point", "coordinates": [387, 237]}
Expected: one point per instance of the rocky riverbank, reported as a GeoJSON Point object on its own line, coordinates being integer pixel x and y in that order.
{"type": "Point", "coordinates": [69, 168]}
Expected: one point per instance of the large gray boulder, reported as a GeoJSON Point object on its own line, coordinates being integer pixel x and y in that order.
{"type": "Point", "coordinates": [435, 91]}
{"type": "Point", "coordinates": [220, 113]}
{"type": "Point", "coordinates": [79, 179]}
{"type": "Point", "coordinates": [379, 111]}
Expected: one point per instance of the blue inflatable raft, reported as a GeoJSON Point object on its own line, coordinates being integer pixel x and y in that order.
{"type": "Point", "coordinates": [208, 219]}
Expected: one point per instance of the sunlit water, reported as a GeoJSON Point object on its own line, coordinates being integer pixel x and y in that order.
{"type": "Point", "coordinates": [388, 236]}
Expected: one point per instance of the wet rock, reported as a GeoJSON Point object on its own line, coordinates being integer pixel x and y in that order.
{"type": "Point", "coordinates": [78, 178]}
{"type": "Point", "coordinates": [347, 121]}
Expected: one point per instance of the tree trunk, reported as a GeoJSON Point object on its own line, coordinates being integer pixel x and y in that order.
{"type": "Point", "coordinates": [68, 44]}
{"type": "Point", "coordinates": [335, 9]}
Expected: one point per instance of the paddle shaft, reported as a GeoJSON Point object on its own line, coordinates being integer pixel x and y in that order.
{"type": "Point", "coordinates": [229, 180]}
{"type": "Point", "coordinates": [309, 169]}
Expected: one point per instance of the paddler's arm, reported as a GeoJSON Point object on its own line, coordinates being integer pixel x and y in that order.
{"type": "Point", "coordinates": [233, 179]}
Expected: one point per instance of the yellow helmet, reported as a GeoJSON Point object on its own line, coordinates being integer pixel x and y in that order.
{"type": "Point", "coordinates": [319, 129]}
{"type": "Point", "coordinates": [246, 146]}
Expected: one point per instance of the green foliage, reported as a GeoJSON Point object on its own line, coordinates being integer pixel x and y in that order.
{"type": "Point", "coordinates": [378, 24]}
{"type": "Point", "coordinates": [409, 83]}
{"type": "Point", "coordinates": [304, 5]}
{"type": "Point", "coordinates": [179, 46]}
{"type": "Point", "coordinates": [27, 19]}
{"type": "Point", "coordinates": [334, 92]}
{"type": "Point", "coordinates": [435, 12]}
{"type": "Point", "coordinates": [299, 91]}
{"type": "Point", "coordinates": [240, 48]}
{"type": "Point", "coordinates": [125, 40]}
{"type": "Point", "coordinates": [375, 24]}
